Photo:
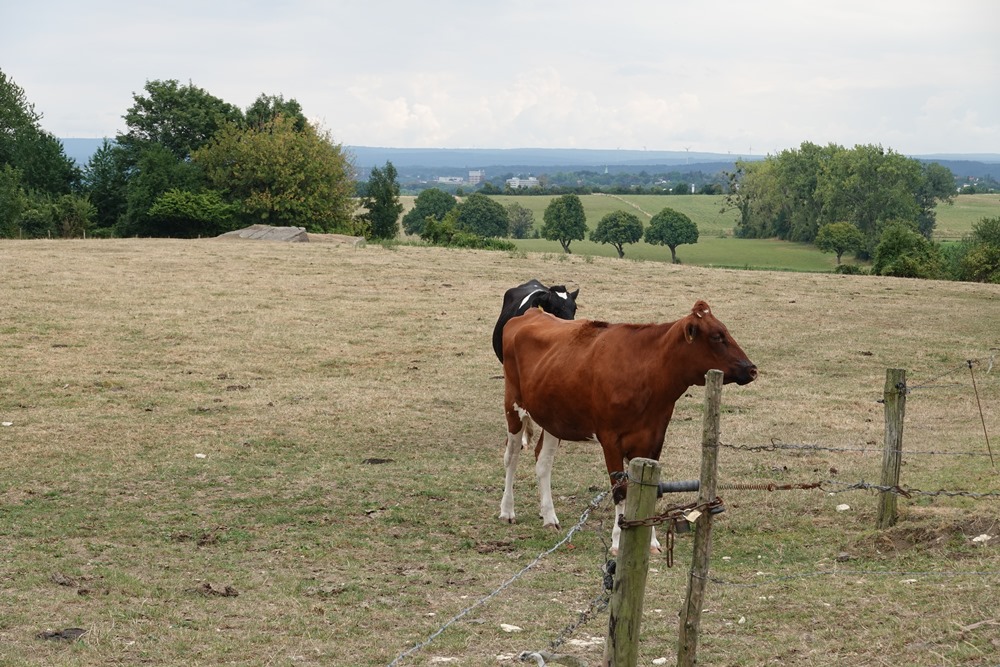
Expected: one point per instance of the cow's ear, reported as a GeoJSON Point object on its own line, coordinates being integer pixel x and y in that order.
{"type": "Point", "coordinates": [573, 294]}
{"type": "Point", "coordinates": [690, 331]}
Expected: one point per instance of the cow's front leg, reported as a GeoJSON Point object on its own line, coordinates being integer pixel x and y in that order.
{"type": "Point", "coordinates": [655, 548]}
{"type": "Point", "coordinates": [543, 472]}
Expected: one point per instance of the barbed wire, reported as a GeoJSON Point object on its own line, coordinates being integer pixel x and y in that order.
{"type": "Point", "coordinates": [777, 444]}
{"type": "Point", "coordinates": [593, 505]}
{"type": "Point", "coordinates": [851, 573]}
{"type": "Point", "coordinates": [903, 491]}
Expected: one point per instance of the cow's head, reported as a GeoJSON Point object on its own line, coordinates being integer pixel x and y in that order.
{"type": "Point", "coordinates": [560, 302]}
{"type": "Point", "coordinates": [714, 348]}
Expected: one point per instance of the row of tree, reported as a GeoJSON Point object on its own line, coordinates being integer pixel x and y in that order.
{"type": "Point", "coordinates": [437, 217]}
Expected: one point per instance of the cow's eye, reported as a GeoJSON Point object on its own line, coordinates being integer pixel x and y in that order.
{"type": "Point", "coordinates": [717, 338]}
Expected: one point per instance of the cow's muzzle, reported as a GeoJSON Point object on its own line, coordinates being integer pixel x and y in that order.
{"type": "Point", "coordinates": [746, 372]}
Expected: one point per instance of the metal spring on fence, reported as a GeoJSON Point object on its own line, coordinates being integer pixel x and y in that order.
{"type": "Point", "coordinates": [766, 486]}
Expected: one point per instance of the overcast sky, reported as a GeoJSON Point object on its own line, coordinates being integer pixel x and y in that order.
{"type": "Point", "coordinates": [737, 76]}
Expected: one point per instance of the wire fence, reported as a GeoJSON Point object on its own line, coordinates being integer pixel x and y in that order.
{"type": "Point", "coordinates": [600, 603]}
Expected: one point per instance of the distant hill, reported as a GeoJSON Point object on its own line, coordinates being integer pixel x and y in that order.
{"type": "Point", "coordinates": [968, 168]}
{"type": "Point", "coordinates": [537, 160]}
{"type": "Point", "coordinates": [81, 149]}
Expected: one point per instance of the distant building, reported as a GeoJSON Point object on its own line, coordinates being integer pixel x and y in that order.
{"type": "Point", "coordinates": [476, 177]}
{"type": "Point", "coordinates": [529, 182]}
{"type": "Point", "coordinates": [451, 180]}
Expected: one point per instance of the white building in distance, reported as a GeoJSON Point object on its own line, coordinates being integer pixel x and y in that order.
{"type": "Point", "coordinates": [529, 182]}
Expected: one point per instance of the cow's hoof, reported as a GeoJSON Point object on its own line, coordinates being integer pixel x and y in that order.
{"type": "Point", "coordinates": [614, 552]}
{"type": "Point", "coordinates": [553, 526]}
{"type": "Point", "coordinates": [655, 551]}
{"type": "Point", "coordinates": [507, 519]}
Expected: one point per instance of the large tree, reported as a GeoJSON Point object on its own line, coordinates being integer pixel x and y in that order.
{"type": "Point", "coordinates": [482, 216]}
{"type": "Point", "coordinates": [869, 186]}
{"type": "Point", "coordinates": [36, 154]}
{"type": "Point", "coordinates": [671, 228]}
{"type": "Point", "coordinates": [181, 118]}
{"type": "Point", "coordinates": [432, 203]}
{"type": "Point", "coordinates": [564, 221]}
{"type": "Point", "coordinates": [165, 126]}
{"type": "Point", "coordinates": [521, 220]}
{"type": "Point", "coordinates": [381, 202]}
{"type": "Point", "coordinates": [618, 228]}
{"type": "Point", "coordinates": [279, 176]}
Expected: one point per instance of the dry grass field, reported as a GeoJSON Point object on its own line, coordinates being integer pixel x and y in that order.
{"type": "Point", "coordinates": [252, 453]}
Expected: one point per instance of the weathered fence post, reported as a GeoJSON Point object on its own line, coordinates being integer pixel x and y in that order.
{"type": "Point", "coordinates": [687, 644]}
{"type": "Point", "coordinates": [892, 457]}
{"type": "Point", "coordinates": [622, 646]}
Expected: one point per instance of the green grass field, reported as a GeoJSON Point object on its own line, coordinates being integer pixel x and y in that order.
{"type": "Point", "coordinates": [955, 220]}
{"type": "Point", "coordinates": [290, 454]}
{"type": "Point", "coordinates": [716, 245]}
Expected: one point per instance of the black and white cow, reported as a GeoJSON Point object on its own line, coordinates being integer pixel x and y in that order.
{"type": "Point", "coordinates": [556, 300]}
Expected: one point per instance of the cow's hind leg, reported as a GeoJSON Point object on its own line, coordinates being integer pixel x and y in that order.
{"type": "Point", "coordinates": [510, 456]}
{"type": "Point", "coordinates": [543, 472]}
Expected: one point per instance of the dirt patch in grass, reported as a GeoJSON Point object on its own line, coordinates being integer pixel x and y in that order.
{"type": "Point", "coordinates": [945, 532]}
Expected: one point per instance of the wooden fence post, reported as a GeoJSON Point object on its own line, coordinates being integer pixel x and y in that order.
{"type": "Point", "coordinates": [892, 457]}
{"type": "Point", "coordinates": [622, 646]}
{"type": "Point", "coordinates": [687, 644]}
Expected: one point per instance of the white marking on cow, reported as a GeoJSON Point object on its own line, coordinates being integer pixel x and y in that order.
{"type": "Point", "coordinates": [563, 295]}
{"type": "Point", "coordinates": [524, 301]}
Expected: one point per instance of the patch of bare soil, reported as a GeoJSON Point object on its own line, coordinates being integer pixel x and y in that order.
{"type": "Point", "coordinates": [950, 532]}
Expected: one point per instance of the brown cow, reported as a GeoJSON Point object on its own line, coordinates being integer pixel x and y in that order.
{"type": "Point", "coordinates": [613, 383]}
